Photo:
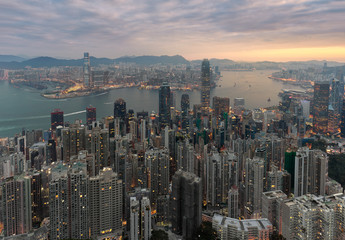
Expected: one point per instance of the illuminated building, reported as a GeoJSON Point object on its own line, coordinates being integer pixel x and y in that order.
{"type": "Point", "coordinates": [185, 105]}
{"type": "Point", "coordinates": [68, 202]}
{"type": "Point", "coordinates": [320, 107]}
{"type": "Point", "coordinates": [239, 102]}
{"type": "Point", "coordinates": [90, 115]}
{"type": "Point", "coordinates": [56, 118]}
{"type": "Point", "coordinates": [164, 105]}
{"type": "Point", "coordinates": [221, 105]}
{"type": "Point", "coordinates": [310, 217]}
{"type": "Point", "coordinates": [105, 204]}
{"type": "Point", "coordinates": [233, 208]}
{"type": "Point", "coordinates": [271, 207]}
{"type": "Point", "coordinates": [140, 218]}
{"type": "Point", "coordinates": [15, 210]}
{"type": "Point", "coordinates": [342, 126]}
{"type": "Point", "coordinates": [87, 70]}
{"type": "Point", "coordinates": [98, 78]}
{"type": "Point", "coordinates": [310, 172]}
{"type": "Point", "coordinates": [120, 109]}
{"type": "Point", "coordinates": [254, 186]}
{"type": "Point", "coordinates": [205, 85]}
{"type": "Point", "coordinates": [186, 203]}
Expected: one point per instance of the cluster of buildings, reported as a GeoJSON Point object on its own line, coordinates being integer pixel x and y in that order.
{"type": "Point", "coordinates": [249, 172]}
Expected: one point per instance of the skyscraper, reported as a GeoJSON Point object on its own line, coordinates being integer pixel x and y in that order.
{"type": "Point", "coordinates": [120, 109]}
{"type": "Point", "coordinates": [320, 107]}
{"type": "Point", "coordinates": [205, 85]}
{"type": "Point", "coordinates": [15, 209]}
{"type": "Point", "coordinates": [221, 105]}
{"type": "Point", "coordinates": [87, 70]}
{"type": "Point", "coordinates": [186, 203]}
{"type": "Point", "coordinates": [164, 105]}
{"type": "Point", "coordinates": [105, 204]}
{"type": "Point", "coordinates": [90, 115]}
{"type": "Point", "coordinates": [56, 118]}
{"type": "Point", "coordinates": [185, 105]}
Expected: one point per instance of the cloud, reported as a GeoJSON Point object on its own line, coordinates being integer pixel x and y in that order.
{"type": "Point", "coordinates": [193, 28]}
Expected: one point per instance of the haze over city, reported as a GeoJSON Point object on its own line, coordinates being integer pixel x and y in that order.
{"type": "Point", "coordinates": [239, 30]}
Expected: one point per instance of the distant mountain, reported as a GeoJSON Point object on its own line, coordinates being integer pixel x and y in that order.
{"type": "Point", "coordinates": [11, 58]}
{"type": "Point", "coordinates": [54, 62]}
{"type": "Point", "coordinates": [150, 60]}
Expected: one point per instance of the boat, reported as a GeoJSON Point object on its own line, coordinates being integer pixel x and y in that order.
{"type": "Point", "coordinates": [269, 99]}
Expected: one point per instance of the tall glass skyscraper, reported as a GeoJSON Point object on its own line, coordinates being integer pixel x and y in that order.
{"type": "Point", "coordinates": [320, 109]}
{"type": "Point", "coordinates": [87, 70]}
{"type": "Point", "coordinates": [205, 85]}
{"type": "Point", "coordinates": [164, 105]}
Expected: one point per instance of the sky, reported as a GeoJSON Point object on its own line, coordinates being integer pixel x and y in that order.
{"type": "Point", "coordinates": [241, 30]}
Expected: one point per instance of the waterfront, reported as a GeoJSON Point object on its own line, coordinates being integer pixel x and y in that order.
{"type": "Point", "coordinates": [26, 108]}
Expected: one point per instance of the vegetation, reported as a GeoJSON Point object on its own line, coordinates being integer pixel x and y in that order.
{"type": "Point", "coordinates": [159, 235]}
{"type": "Point", "coordinates": [336, 168]}
{"type": "Point", "coordinates": [319, 144]}
{"type": "Point", "coordinates": [276, 236]}
{"type": "Point", "coordinates": [206, 232]}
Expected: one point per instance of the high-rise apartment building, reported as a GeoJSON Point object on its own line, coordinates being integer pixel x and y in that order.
{"type": "Point", "coordinates": [205, 85]}
{"type": "Point", "coordinates": [312, 217]}
{"type": "Point", "coordinates": [105, 204]}
{"type": "Point", "coordinates": [68, 202]}
{"type": "Point", "coordinates": [164, 105]}
{"type": "Point", "coordinates": [320, 107]}
{"type": "Point", "coordinates": [254, 185]}
{"type": "Point", "coordinates": [186, 203]}
{"type": "Point", "coordinates": [87, 70]}
{"type": "Point", "coordinates": [15, 210]}
{"type": "Point", "coordinates": [311, 170]}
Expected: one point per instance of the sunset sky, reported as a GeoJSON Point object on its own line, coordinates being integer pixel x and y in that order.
{"type": "Point", "coordinates": [241, 30]}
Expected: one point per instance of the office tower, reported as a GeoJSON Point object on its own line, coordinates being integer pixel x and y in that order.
{"type": "Point", "coordinates": [87, 70]}
{"type": "Point", "coordinates": [164, 105]}
{"type": "Point", "coordinates": [205, 85]}
{"type": "Point", "coordinates": [312, 217]}
{"type": "Point", "coordinates": [233, 229]}
{"type": "Point", "coordinates": [306, 108]}
{"type": "Point", "coordinates": [15, 205]}
{"type": "Point", "coordinates": [157, 163]}
{"type": "Point", "coordinates": [221, 105]}
{"type": "Point", "coordinates": [186, 203]}
{"type": "Point", "coordinates": [320, 107]}
{"type": "Point", "coordinates": [105, 204]}
{"type": "Point", "coordinates": [97, 143]}
{"type": "Point", "coordinates": [310, 172]}
{"type": "Point", "coordinates": [254, 185]}
{"type": "Point", "coordinates": [56, 118]}
{"type": "Point", "coordinates": [90, 115]}
{"type": "Point", "coordinates": [98, 78]}
{"type": "Point", "coordinates": [120, 109]}
{"type": "Point", "coordinates": [271, 207]}
{"type": "Point", "coordinates": [233, 202]}
{"type": "Point", "coordinates": [68, 202]}
{"type": "Point", "coordinates": [214, 175]}
{"type": "Point", "coordinates": [239, 102]}
{"type": "Point", "coordinates": [134, 218]}
{"type": "Point", "coordinates": [185, 105]}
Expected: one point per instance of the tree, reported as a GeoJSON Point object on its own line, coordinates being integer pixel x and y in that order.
{"type": "Point", "coordinates": [206, 232]}
{"type": "Point", "coordinates": [159, 235]}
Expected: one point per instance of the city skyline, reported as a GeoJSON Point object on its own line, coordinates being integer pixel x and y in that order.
{"type": "Point", "coordinates": [242, 31]}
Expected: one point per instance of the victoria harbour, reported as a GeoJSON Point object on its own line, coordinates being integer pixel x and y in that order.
{"type": "Point", "coordinates": [29, 110]}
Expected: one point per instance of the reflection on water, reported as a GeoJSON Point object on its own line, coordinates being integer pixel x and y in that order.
{"type": "Point", "coordinates": [29, 110]}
